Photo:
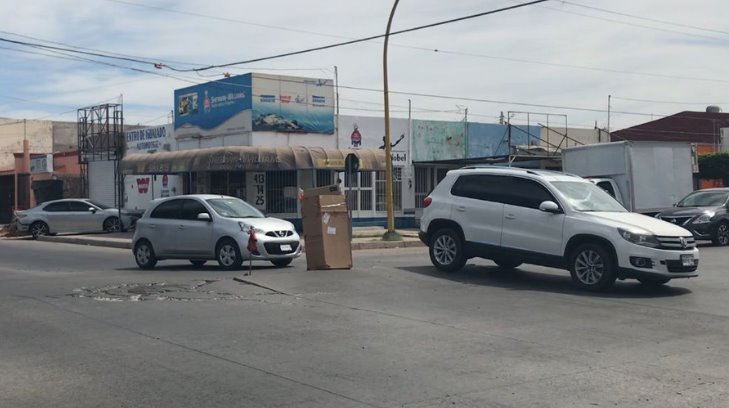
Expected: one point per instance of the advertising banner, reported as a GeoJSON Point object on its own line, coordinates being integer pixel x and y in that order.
{"type": "Point", "coordinates": [151, 139]}
{"type": "Point", "coordinates": [364, 132]}
{"type": "Point", "coordinates": [214, 108]}
{"type": "Point", "coordinates": [292, 104]}
{"type": "Point", "coordinates": [438, 140]}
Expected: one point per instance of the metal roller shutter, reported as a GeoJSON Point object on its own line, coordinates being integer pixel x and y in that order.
{"type": "Point", "coordinates": [101, 182]}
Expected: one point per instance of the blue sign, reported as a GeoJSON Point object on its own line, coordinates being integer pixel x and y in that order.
{"type": "Point", "coordinates": [292, 104]}
{"type": "Point", "coordinates": [490, 139]}
{"type": "Point", "coordinates": [214, 108]}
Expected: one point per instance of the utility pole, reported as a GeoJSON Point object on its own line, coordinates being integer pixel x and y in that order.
{"type": "Point", "coordinates": [390, 235]}
{"type": "Point", "coordinates": [608, 123]}
{"type": "Point", "coordinates": [336, 97]}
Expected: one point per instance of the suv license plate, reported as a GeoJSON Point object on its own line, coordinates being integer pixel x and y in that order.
{"type": "Point", "coordinates": [687, 260]}
{"type": "Point", "coordinates": [288, 249]}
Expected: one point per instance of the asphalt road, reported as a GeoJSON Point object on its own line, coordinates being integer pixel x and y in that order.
{"type": "Point", "coordinates": [83, 327]}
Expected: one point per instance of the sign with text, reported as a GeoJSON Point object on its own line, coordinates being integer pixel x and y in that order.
{"type": "Point", "coordinates": [292, 104]}
{"type": "Point", "coordinates": [256, 189]}
{"type": "Point", "coordinates": [151, 139]}
{"type": "Point", "coordinates": [364, 132]}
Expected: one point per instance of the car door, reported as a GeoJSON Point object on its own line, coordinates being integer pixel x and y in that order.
{"type": "Point", "coordinates": [55, 213]}
{"type": "Point", "coordinates": [80, 219]}
{"type": "Point", "coordinates": [478, 208]}
{"type": "Point", "coordinates": [161, 227]}
{"type": "Point", "coordinates": [194, 236]}
{"type": "Point", "coordinates": [525, 226]}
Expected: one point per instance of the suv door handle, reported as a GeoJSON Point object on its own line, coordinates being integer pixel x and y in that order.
{"type": "Point", "coordinates": [180, 227]}
{"type": "Point", "coordinates": [152, 226]}
{"type": "Point", "coordinates": [510, 216]}
{"type": "Point", "coordinates": [460, 208]}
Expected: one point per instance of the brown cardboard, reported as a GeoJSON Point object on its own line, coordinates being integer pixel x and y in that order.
{"type": "Point", "coordinates": [326, 229]}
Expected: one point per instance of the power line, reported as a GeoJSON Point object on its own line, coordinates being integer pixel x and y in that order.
{"type": "Point", "coordinates": [668, 102]}
{"type": "Point", "coordinates": [652, 20]}
{"type": "Point", "coordinates": [340, 44]}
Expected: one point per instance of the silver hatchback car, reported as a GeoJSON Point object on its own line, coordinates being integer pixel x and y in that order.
{"type": "Point", "coordinates": [203, 227]}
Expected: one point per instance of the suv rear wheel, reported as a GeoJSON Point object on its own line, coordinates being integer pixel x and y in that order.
{"type": "Point", "coordinates": [446, 250]}
{"type": "Point", "coordinates": [592, 267]}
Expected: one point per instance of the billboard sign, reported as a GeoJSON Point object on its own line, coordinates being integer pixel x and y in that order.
{"type": "Point", "coordinates": [41, 163]}
{"type": "Point", "coordinates": [214, 108]}
{"type": "Point", "coordinates": [364, 132]}
{"type": "Point", "coordinates": [292, 104]}
{"type": "Point", "coordinates": [150, 139]}
{"type": "Point", "coordinates": [438, 140]}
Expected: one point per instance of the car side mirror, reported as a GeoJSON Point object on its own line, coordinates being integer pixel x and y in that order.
{"type": "Point", "coordinates": [92, 210]}
{"type": "Point", "coordinates": [550, 207]}
{"type": "Point", "coordinates": [204, 217]}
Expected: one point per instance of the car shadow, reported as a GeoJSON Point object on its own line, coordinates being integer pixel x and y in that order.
{"type": "Point", "coordinates": [521, 279]}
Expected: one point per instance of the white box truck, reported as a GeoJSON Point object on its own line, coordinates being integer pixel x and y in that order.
{"type": "Point", "coordinates": [141, 189]}
{"type": "Point", "coordinates": [644, 176]}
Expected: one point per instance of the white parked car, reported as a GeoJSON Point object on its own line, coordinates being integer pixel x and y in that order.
{"type": "Point", "coordinates": [71, 215]}
{"type": "Point", "coordinates": [514, 216]}
{"type": "Point", "coordinates": [203, 227]}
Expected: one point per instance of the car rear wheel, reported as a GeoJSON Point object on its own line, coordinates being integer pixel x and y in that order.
{"type": "Point", "coordinates": [228, 254]}
{"type": "Point", "coordinates": [721, 235]}
{"type": "Point", "coordinates": [654, 281]}
{"type": "Point", "coordinates": [112, 224]}
{"type": "Point", "coordinates": [592, 267]}
{"type": "Point", "coordinates": [281, 262]}
{"type": "Point", "coordinates": [38, 228]}
{"type": "Point", "coordinates": [198, 262]}
{"type": "Point", "coordinates": [446, 250]}
{"type": "Point", "coordinates": [144, 255]}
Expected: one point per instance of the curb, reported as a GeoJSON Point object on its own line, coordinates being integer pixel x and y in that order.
{"type": "Point", "coordinates": [84, 241]}
{"type": "Point", "coordinates": [124, 244]}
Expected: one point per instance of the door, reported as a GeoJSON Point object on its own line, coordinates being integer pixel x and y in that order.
{"type": "Point", "coordinates": [525, 226]}
{"type": "Point", "coordinates": [479, 209]}
{"type": "Point", "coordinates": [57, 214]}
{"type": "Point", "coordinates": [80, 219]}
{"type": "Point", "coordinates": [194, 237]}
{"type": "Point", "coordinates": [162, 227]}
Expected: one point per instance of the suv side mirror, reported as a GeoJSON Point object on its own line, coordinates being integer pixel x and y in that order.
{"type": "Point", "coordinates": [550, 207]}
{"type": "Point", "coordinates": [204, 217]}
{"type": "Point", "coordinates": [92, 210]}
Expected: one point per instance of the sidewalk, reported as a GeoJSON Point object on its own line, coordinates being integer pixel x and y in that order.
{"type": "Point", "coordinates": [363, 238]}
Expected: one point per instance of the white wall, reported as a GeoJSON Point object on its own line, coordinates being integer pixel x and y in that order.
{"type": "Point", "coordinates": [293, 139]}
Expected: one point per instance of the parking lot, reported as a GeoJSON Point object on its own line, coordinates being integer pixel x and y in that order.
{"type": "Point", "coordinates": [83, 326]}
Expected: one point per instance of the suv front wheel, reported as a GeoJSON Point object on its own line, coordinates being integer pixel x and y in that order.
{"type": "Point", "coordinates": [446, 250]}
{"type": "Point", "coordinates": [592, 267]}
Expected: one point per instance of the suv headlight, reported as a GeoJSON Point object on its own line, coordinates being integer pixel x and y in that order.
{"type": "Point", "coordinates": [703, 218]}
{"type": "Point", "coordinates": [639, 239]}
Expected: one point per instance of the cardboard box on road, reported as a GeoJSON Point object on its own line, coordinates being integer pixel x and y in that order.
{"type": "Point", "coordinates": [326, 229]}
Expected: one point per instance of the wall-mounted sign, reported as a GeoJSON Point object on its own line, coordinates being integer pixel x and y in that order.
{"type": "Point", "coordinates": [41, 164]}
{"type": "Point", "coordinates": [256, 189]}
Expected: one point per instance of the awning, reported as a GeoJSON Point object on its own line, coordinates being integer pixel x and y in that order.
{"type": "Point", "coordinates": [231, 158]}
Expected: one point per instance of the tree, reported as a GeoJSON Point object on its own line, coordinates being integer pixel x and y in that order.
{"type": "Point", "coordinates": [714, 166]}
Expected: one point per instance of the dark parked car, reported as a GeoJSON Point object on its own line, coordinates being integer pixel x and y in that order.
{"type": "Point", "coordinates": [704, 213]}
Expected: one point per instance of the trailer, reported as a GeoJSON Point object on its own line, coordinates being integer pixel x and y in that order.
{"type": "Point", "coordinates": [644, 176]}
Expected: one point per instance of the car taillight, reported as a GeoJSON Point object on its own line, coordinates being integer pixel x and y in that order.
{"type": "Point", "coordinates": [427, 201]}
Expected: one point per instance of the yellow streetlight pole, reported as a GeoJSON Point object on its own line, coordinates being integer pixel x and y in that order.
{"type": "Point", "coordinates": [390, 235]}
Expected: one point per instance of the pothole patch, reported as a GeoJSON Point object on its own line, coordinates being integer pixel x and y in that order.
{"type": "Point", "coordinates": [206, 290]}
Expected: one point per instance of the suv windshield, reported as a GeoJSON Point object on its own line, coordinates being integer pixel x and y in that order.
{"type": "Point", "coordinates": [704, 199]}
{"type": "Point", "coordinates": [585, 196]}
{"type": "Point", "coordinates": [234, 208]}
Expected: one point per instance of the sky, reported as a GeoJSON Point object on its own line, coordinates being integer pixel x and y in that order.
{"type": "Point", "coordinates": [556, 61]}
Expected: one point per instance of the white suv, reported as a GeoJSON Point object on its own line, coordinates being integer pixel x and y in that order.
{"type": "Point", "coordinates": [514, 216]}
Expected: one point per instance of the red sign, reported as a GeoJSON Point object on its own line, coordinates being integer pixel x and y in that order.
{"type": "Point", "coordinates": [164, 181]}
{"type": "Point", "coordinates": [143, 185]}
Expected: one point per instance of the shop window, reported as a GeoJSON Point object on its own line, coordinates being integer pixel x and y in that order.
{"type": "Point", "coordinates": [281, 192]}
{"type": "Point", "coordinates": [396, 190]}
